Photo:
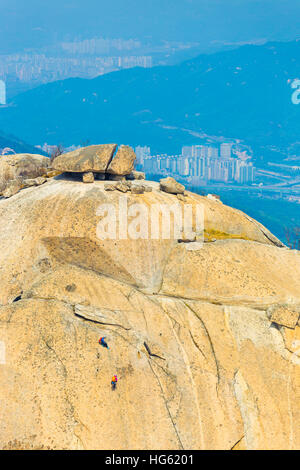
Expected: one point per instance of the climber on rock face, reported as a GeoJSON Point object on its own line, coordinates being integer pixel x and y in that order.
{"type": "Point", "coordinates": [114, 381]}
{"type": "Point", "coordinates": [102, 342]}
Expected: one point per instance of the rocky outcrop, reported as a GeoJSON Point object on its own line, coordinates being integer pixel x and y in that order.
{"type": "Point", "coordinates": [88, 177]}
{"type": "Point", "coordinates": [137, 189]}
{"type": "Point", "coordinates": [123, 162]}
{"type": "Point", "coordinates": [12, 187]}
{"type": "Point", "coordinates": [21, 171]}
{"type": "Point", "coordinates": [136, 175]}
{"type": "Point", "coordinates": [98, 159]}
{"type": "Point", "coordinates": [94, 158]}
{"type": "Point", "coordinates": [170, 185]}
{"type": "Point", "coordinates": [203, 337]}
{"type": "Point", "coordinates": [23, 165]}
{"type": "Point", "coordinates": [285, 315]}
{"type": "Point", "coordinates": [27, 183]}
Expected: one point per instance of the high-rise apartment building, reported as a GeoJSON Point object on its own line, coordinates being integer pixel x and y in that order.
{"type": "Point", "coordinates": [194, 151]}
{"type": "Point", "coordinates": [212, 152]}
{"type": "Point", "coordinates": [225, 150]}
{"type": "Point", "coordinates": [187, 151]}
{"type": "Point", "coordinates": [183, 165]}
{"type": "Point", "coordinates": [245, 173]}
{"type": "Point", "coordinates": [141, 154]}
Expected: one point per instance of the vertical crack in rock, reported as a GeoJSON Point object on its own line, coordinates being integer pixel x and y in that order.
{"type": "Point", "coordinates": [196, 345]}
{"type": "Point", "coordinates": [167, 406]}
{"type": "Point", "coordinates": [210, 343]}
{"type": "Point", "coordinates": [188, 367]}
{"type": "Point", "coordinates": [237, 443]}
{"type": "Point", "coordinates": [56, 355]}
{"type": "Point", "coordinates": [254, 433]}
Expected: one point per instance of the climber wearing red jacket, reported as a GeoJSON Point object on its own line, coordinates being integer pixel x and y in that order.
{"type": "Point", "coordinates": [114, 381]}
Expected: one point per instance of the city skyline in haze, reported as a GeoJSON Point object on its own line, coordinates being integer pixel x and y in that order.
{"type": "Point", "coordinates": [33, 24]}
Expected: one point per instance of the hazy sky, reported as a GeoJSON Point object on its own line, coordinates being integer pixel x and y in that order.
{"type": "Point", "coordinates": [31, 23]}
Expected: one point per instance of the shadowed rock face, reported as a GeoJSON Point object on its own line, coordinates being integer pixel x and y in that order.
{"type": "Point", "coordinates": [204, 338]}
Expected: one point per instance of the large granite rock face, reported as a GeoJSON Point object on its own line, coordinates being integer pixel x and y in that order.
{"type": "Point", "coordinates": [95, 158]}
{"type": "Point", "coordinates": [204, 338]}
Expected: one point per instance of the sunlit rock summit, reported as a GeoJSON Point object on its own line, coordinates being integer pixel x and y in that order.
{"type": "Point", "coordinates": [203, 333]}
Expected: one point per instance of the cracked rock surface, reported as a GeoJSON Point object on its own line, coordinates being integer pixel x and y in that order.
{"type": "Point", "coordinates": [205, 341]}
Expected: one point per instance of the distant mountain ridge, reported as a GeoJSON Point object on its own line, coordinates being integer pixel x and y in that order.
{"type": "Point", "coordinates": [12, 142]}
{"type": "Point", "coordinates": [242, 94]}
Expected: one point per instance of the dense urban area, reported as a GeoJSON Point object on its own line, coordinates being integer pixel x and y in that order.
{"type": "Point", "coordinates": [85, 58]}
{"type": "Point", "coordinates": [199, 163]}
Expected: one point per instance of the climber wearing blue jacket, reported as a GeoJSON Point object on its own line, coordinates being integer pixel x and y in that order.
{"type": "Point", "coordinates": [102, 342]}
